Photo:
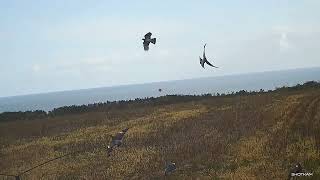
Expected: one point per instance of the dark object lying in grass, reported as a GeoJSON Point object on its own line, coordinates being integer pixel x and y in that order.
{"type": "Point", "coordinates": [297, 168]}
{"type": "Point", "coordinates": [170, 168]}
{"type": "Point", "coordinates": [116, 140]}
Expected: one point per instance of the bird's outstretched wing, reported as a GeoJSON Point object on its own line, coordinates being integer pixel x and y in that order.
{"type": "Point", "coordinates": [148, 35]}
{"type": "Point", "coordinates": [211, 64]}
{"type": "Point", "coordinates": [204, 52]}
{"type": "Point", "coordinates": [146, 46]}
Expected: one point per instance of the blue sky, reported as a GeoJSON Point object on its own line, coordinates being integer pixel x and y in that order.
{"type": "Point", "coordinates": [63, 45]}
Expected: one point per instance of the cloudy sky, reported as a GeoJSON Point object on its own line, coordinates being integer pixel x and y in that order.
{"type": "Point", "coordinates": [63, 45]}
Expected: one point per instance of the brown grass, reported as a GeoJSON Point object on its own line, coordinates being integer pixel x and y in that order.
{"type": "Point", "coordinates": [232, 137]}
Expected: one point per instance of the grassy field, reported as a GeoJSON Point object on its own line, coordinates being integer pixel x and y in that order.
{"type": "Point", "coordinates": [253, 136]}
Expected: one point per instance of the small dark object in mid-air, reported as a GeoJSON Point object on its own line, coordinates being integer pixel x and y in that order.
{"type": "Point", "coordinates": [204, 60]}
{"type": "Point", "coordinates": [116, 140]}
{"type": "Point", "coordinates": [147, 40]}
{"type": "Point", "coordinates": [170, 168]}
{"type": "Point", "coordinates": [159, 90]}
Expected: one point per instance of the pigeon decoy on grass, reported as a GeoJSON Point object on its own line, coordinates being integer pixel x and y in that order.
{"type": "Point", "coordinates": [147, 40]}
{"type": "Point", "coordinates": [204, 60]}
{"type": "Point", "coordinates": [296, 169]}
{"type": "Point", "coordinates": [170, 168]}
{"type": "Point", "coordinates": [116, 140]}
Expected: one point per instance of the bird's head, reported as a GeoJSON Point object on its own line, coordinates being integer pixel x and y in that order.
{"type": "Point", "coordinates": [125, 130]}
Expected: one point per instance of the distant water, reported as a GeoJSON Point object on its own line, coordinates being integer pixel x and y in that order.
{"type": "Point", "coordinates": [222, 84]}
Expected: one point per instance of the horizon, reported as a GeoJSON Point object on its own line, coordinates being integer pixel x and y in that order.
{"type": "Point", "coordinates": [137, 84]}
{"type": "Point", "coordinates": [217, 84]}
{"type": "Point", "coordinates": [57, 46]}
{"type": "Point", "coordinates": [197, 95]}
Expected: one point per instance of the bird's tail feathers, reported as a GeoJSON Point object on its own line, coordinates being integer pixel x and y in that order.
{"type": "Point", "coordinates": [153, 40]}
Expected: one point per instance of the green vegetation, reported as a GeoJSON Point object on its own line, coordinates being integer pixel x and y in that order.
{"type": "Point", "coordinates": [243, 135]}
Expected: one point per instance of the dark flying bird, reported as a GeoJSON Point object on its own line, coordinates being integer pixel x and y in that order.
{"type": "Point", "coordinates": [146, 41]}
{"type": "Point", "coordinates": [170, 168]}
{"type": "Point", "coordinates": [116, 140]}
{"type": "Point", "coordinates": [204, 60]}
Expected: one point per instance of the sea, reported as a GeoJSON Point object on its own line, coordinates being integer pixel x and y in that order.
{"type": "Point", "coordinates": [218, 84]}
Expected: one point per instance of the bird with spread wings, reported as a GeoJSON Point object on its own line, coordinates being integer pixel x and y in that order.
{"type": "Point", "coordinates": [147, 40]}
{"type": "Point", "coordinates": [204, 59]}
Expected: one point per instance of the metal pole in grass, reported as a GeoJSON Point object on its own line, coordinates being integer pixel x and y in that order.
{"type": "Point", "coordinates": [18, 176]}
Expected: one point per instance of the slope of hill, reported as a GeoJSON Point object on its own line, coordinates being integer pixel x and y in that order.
{"type": "Point", "coordinates": [241, 136]}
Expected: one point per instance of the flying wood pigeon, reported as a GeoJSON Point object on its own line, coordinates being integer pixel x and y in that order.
{"type": "Point", "coordinates": [146, 41]}
{"type": "Point", "coordinates": [204, 60]}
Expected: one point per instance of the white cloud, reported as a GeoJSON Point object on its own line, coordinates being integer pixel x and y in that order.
{"type": "Point", "coordinates": [283, 42]}
{"type": "Point", "coordinates": [282, 32]}
{"type": "Point", "coordinates": [36, 68]}
{"type": "Point", "coordinates": [301, 29]}
{"type": "Point", "coordinates": [296, 37]}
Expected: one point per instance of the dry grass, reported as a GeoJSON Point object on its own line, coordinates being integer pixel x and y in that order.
{"type": "Point", "coordinates": [232, 137]}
